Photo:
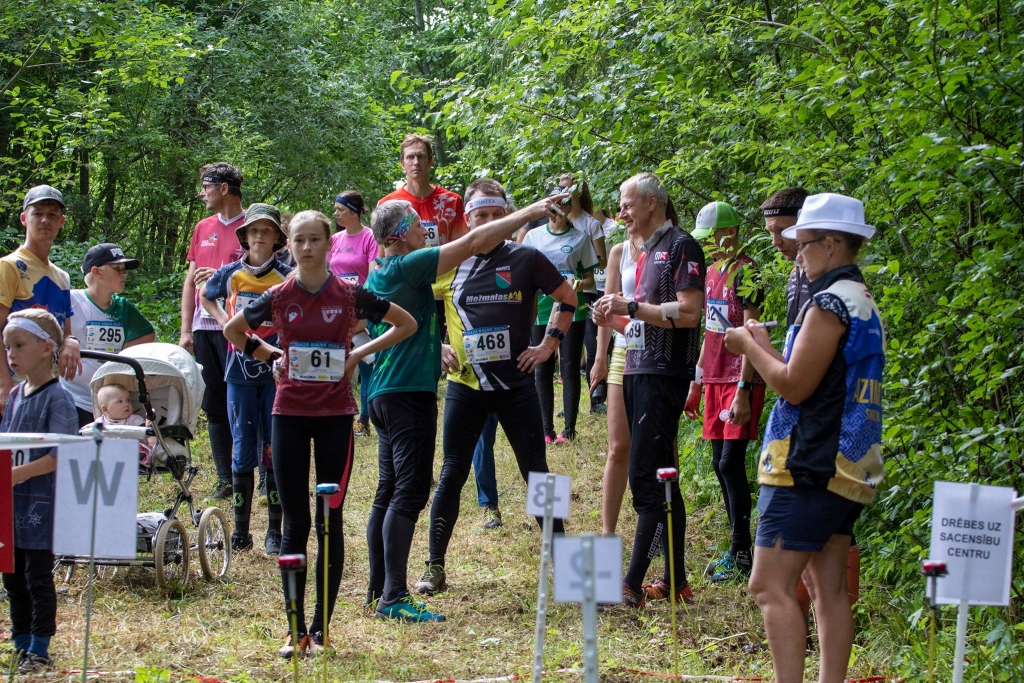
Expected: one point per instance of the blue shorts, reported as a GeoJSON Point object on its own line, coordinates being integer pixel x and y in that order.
{"type": "Point", "coordinates": [804, 518]}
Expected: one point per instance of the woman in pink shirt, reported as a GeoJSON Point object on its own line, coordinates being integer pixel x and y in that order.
{"type": "Point", "coordinates": [353, 250]}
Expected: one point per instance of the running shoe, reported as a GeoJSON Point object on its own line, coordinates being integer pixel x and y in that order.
{"type": "Point", "coordinates": [240, 543]}
{"type": "Point", "coordinates": [361, 428]}
{"type": "Point", "coordinates": [31, 663]}
{"type": "Point", "coordinates": [287, 651]}
{"type": "Point", "coordinates": [408, 609]}
{"type": "Point", "coordinates": [549, 438]}
{"type": "Point", "coordinates": [715, 565]}
{"type": "Point", "coordinates": [224, 491]}
{"type": "Point", "coordinates": [632, 599]}
{"type": "Point", "coordinates": [261, 490]}
{"type": "Point", "coordinates": [566, 436]}
{"type": "Point", "coordinates": [433, 580]}
{"type": "Point", "coordinates": [317, 644]}
{"type": "Point", "coordinates": [272, 542]}
{"type": "Point", "coordinates": [492, 517]}
{"type": "Point", "coordinates": [734, 570]}
{"type": "Point", "coordinates": [659, 590]}
{"type": "Point", "coordinates": [599, 409]}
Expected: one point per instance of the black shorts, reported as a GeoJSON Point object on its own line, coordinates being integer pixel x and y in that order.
{"type": "Point", "coordinates": [804, 518]}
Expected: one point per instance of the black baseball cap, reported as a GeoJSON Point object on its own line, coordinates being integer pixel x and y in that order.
{"type": "Point", "coordinates": [42, 193]}
{"type": "Point", "coordinates": [104, 255]}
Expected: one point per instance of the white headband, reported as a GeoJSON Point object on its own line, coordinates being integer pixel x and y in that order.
{"type": "Point", "coordinates": [20, 323]}
{"type": "Point", "coordinates": [480, 202]}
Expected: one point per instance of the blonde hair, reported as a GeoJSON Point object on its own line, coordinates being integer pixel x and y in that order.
{"type": "Point", "coordinates": [104, 394]}
{"type": "Point", "coordinates": [49, 324]}
{"type": "Point", "coordinates": [311, 216]}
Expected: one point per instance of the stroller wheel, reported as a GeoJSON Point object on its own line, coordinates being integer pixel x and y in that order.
{"type": "Point", "coordinates": [213, 544]}
{"type": "Point", "coordinates": [171, 554]}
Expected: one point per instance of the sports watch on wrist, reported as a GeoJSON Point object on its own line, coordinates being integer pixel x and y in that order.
{"type": "Point", "coordinates": [631, 309]}
{"type": "Point", "coordinates": [743, 384]}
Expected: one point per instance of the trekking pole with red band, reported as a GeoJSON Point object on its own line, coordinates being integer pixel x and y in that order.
{"type": "Point", "coordinates": [668, 475]}
{"type": "Point", "coordinates": [325, 491]}
{"type": "Point", "coordinates": [292, 565]}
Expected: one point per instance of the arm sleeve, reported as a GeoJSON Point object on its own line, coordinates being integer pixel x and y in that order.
{"type": "Point", "coordinates": [260, 311]}
{"type": "Point", "coordinates": [217, 285]}
{"type": "Point", "coordinates": [135, 324]}
{"type": "Point", "coordinates": [420, 267]}
{"type": "Point", "coordinates": [688, 262]}
{"type": "Point", "coordinates": [370, 306]}
{"type": "Point", "coordinates": [545, 276]}
{"type": "Point", "coordinates": [8, 283]}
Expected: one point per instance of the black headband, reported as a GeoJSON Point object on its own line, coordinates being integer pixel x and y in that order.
{"type": "Point", "coordinates": [217, 180]}
{"type": "Point", "coordinates": [781, 211]}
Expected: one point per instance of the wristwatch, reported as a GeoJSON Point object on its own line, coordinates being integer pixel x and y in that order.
{"type": "Point", "coordinates": [631, 309]}
{"type": "Point", "coordinates": [742, 384]}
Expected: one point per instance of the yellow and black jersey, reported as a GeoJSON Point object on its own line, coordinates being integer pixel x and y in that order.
{"type": "Point", "coordinates": [489, 302]}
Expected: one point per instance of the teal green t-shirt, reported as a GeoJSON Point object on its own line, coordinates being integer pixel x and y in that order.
{"type": "Point", "coordinates": [413, 364]}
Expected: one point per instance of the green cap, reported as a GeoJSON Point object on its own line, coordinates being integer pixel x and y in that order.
{"type": "Point", "coordinates": [262, 212]}
{"type": "Point", "coordinates": [712, 217]}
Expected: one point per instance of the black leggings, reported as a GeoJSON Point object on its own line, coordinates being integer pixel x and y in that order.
{"type": "Point", "coordinates": [570, 352]}
{"type": "Point", "coordinates": [600, 394]}
{"type": "Point", "coordinates": [729, 458]}
{"type": "Point", "coordinates": [331, 439]}
{"type": "Point", "coordinates": [465, 411]}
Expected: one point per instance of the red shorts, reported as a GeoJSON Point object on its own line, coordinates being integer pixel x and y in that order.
{"type": "Point", "coordinates": [718, 397]}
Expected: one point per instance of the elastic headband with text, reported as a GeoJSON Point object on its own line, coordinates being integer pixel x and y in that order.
{"type": "Point", "coordinates": [217, 180]}
{"type": "Point", "coordinates": [29, 326]}
{"type": "Point", "coordinates": [781, 211]}
{"type": "Point", "coordinates": [348, 205]}
{"type": "Point", "coordinates": [403, 227]}
{"type": "Point", "coordinates": [481, 202]}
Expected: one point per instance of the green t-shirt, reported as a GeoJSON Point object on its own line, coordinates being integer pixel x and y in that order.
{"type": "Point", "coordinates": [413, 364]}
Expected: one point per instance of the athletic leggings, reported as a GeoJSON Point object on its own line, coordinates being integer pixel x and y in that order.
{"type": "Point", "coordinates": [600, 394]}
{"type": "Point", "coordinates": [465, 411]}
{"type": "Point", "coordinates": [331, 439]}
{"type": "Point", "coordinates": [570, 352]}
{"type": "Point", "coordinates": [729, 458]}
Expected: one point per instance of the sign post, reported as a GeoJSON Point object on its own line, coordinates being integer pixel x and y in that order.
{"type": "Point", "coordinates": [972, 533]}
{"type": "Point", "coordinates": [578, 579]}
{"type": "Point", "coordinates": [547, 495]}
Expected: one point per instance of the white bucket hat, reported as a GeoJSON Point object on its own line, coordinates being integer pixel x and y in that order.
{"type": "Point", "coordinates": [828, 211]}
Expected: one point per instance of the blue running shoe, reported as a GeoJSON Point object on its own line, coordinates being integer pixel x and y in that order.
{"type": "Point", "coordinates": [408, 609]}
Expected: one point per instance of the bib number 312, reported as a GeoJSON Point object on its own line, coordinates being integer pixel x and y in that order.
{"type": "Point", "coordinates": [316, 361]}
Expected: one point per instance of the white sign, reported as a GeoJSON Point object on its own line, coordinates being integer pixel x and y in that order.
{"type": "Point", "coordinates": [972, 532]}
{"type": "Point", "coordinates": [79, 477]}
{"type": "Point", "coordinates": [607, 569]}
{"type": "Point", "coordinates": [536, 487]}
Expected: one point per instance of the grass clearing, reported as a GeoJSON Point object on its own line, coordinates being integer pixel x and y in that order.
{"type": "Point", "coordinates": [232, 630]}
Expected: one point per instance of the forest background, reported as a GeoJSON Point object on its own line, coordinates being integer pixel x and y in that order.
{"type": "Point", "coordinates": [916, 107]}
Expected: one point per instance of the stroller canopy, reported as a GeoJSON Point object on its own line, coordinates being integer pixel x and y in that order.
{"type": "Point", "coordinates": [173, 378]}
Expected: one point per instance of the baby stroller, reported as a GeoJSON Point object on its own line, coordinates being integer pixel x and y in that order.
{"type": "Point", "coordinates": [167, 388]}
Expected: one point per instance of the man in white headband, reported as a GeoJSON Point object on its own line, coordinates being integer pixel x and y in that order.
{"type": "Point", "coordinates": [29, 280]}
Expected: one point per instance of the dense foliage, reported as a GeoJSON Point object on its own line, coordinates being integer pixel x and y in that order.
{"type": "Point", "coordinates": [913, 106]}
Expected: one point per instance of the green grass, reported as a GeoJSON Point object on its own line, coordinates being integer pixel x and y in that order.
{"type": "Point", "coordinates": [232, 630]}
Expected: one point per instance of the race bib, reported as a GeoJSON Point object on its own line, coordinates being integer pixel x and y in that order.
{"type": "Point", "coordinates": [244, 300]}
{"type": "Point", "coordinates": [316, 361]}
{"type": "Point", "coordinates": [570, 277]}
{"type": "Point", "coordinates": [599, 278]}
{"type": "Point", "coordinates": [716, 308]}
{"type": "Point", "coordinates": [206, 315]}
{"type": "Point", "coordinates": [104, 335]}
{"type": "Point", "coordinates": [635, 337]}
{"type": "Point", "coordinates": [351, 278]}
{"type": "Point", "coordinates": [487, 344]}
{"type": "Point", "coordinates": [433, 236]}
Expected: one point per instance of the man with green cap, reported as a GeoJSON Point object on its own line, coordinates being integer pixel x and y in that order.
{"type": "Point", "coordinates": [733, 392]}
{"type": "Point", "coordinates": [250, 382]}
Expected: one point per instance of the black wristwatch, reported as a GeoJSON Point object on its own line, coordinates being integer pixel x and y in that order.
{"type": "Point", "coordinates": [631, 309]}
{"type": "Point", "coordinates": [743, 384]}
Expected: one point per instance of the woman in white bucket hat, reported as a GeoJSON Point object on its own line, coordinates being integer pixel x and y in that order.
{"type": "Point", "coordinates": [821, 459]}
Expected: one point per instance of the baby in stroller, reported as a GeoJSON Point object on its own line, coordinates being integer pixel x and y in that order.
{"type": "Point", "coordinates": [115, 403]}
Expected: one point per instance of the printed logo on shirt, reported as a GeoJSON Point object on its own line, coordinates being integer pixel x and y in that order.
{"type": "Point", "coordinates": [510, 298]}
{"type": "Point", "coordinates": [660, 256]}
{"type": "Point", "coordinates": [22, 269]}
{"type": "Point", "coordinates": [210, 241]}
{"type": "Point", "coordinates": [503, 276]}
{"type": "Point", "coordinates": [566, 248]}
{"type": "Point", "coordinates": [330, 312]}
{"type": "Point", "coordinates": [692, 268]}
{"type": "Point", "coordinates": [293, 312]}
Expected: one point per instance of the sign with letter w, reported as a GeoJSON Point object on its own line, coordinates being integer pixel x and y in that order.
{"type": "Point", "coordinates": [107, 484]}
